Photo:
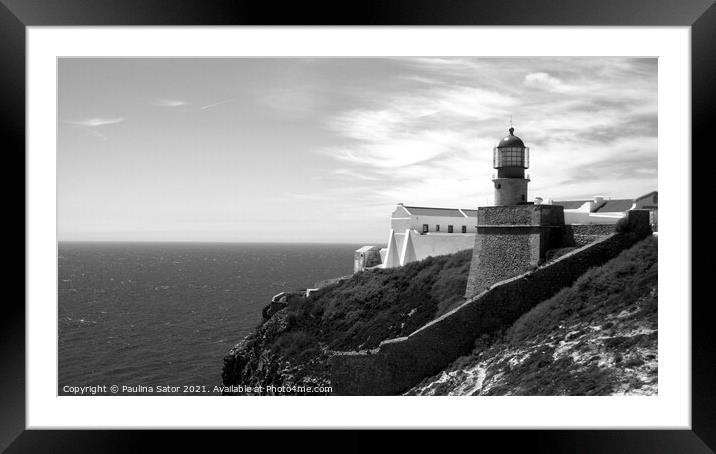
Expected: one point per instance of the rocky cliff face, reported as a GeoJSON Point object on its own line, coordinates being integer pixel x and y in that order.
{"type": "Point", "coordinates": [255, 363]}
{"type": "Point", "coordinates": [597, 337]}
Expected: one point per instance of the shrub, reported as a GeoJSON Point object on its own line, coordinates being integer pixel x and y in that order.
{"type": "Point", "coordinates": [294, 344]}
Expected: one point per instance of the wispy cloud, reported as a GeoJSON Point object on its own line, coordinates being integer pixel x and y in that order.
{"type": "Point", "coordinates": [218, 103]}
{"type": "Point", "coordinates": [353, 174]}
{"type": "Point", "coordinates": [588, 121]}
{"type": "Point", "coordinates": [170, 103]}
{"type": "Point", "coordinates": [545, 81]}
{"type": "Point", "coordinates": [96, 121]}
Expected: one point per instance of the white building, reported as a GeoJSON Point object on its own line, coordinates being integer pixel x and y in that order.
{"type": "Point", "coordinates": [427, 220]}
{"type": "Point", "coordinates": [601, 210]}
{"type": "Point", "coordinates": [420, 232]}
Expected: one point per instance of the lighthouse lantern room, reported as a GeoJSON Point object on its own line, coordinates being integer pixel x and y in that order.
{"type": "Point", "coordinates": [511, 157]}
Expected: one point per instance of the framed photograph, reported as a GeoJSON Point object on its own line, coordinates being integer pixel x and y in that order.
{"type": "Point", "coordinates": [410, 216]}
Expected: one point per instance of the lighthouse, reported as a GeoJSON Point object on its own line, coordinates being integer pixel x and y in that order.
{"type": "Point", "coordinates": [513, 236]}
{"type": "Point", "coordinates": [510, 158]}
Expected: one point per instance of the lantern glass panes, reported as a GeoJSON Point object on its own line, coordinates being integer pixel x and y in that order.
{"type": "Point", "coordinates": [511, 157]}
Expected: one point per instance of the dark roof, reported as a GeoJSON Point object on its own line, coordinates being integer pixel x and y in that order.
{"type": "Point", "coordinates": [611, 206]}
{"type": "Point", "coordinates": [427, 211]}
{"type": "Point", "coordinates": [470, 213]}
{"type": "Point", "coordinates": [647, 195]}
{"type": "Point", "coordinates": [511, 140]}
{"type": "Point", "coordinates": [571, 204]}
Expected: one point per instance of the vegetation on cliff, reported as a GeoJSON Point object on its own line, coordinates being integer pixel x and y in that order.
{"type": "Point", "coordinates": [597, 337]}
{"type": "Point", "coordinates": [355, 313]}
{"type": "Point", "coordinates": [378, 304]}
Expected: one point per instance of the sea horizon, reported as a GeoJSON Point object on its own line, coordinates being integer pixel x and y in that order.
{"type": "Point", "coordinates": [340, 243]}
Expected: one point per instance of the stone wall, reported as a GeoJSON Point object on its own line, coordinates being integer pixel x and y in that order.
{"type": "Point", "coordinates": [581, 234]}
{"type": "Point", "coordinates": [498, 255]}
{"type": "Point", "coordinates": [511, 240]}
{"type": "Point", "coordinates": [327, 282]}
{"type": "Point", "coordinates": [398, 364]}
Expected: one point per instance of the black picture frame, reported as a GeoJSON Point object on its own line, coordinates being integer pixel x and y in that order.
{"type": "Point", "coordinates": [16, 15]}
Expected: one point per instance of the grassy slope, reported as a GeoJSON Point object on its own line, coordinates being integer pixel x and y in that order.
{"type": "Point", "coordinates": [360, 312]}
{"type": "Point", "coordinates": [375, 305]}
{"type": "Point", "coordinates": [597, 337]}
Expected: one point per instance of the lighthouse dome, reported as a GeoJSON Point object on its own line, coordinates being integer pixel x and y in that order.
{"type": "Point", "coordinates": [511, 140]}
{"type": "Point", "coordinates": [511, 152]}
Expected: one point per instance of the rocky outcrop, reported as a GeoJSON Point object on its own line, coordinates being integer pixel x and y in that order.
{"type": "Point", "coordinates": [280, 301]}
{"type": "Point", "coordinates": [253, 363]}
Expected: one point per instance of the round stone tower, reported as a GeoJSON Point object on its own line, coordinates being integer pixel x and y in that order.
{"type": "Point", "coordinates": [510, 157]}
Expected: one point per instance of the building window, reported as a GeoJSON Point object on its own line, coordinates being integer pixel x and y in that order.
{"type": "Point", "coordinates": [425, 228]}
{"type": "Point", "coordinates": [464, 229]}
{"type": "Point", "coordinates": [437, 227]}
{"type": "Point", "coordinates": [449, 229]}
{"type": "Point", "coordinates": [498, 185]}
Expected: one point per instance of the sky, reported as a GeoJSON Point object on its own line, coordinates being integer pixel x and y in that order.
{"type": "Point", "coordinates": [322, 149]}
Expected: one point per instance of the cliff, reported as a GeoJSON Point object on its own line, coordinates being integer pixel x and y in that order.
{"type": "Point", "coordinates": [275, 355]}
{"type": "Point", "coordinates": [291, 347]}
{"type": "Point", "coordinates": [598, 337]}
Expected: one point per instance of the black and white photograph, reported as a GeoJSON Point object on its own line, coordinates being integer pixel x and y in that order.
{"type": "Point", "coordinates": [342, 220]}
{"type": "Point", "coordinates": [357, 226]}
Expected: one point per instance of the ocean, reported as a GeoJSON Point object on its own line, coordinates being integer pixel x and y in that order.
{"type": "Point", "coordinates": [156, 315]}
